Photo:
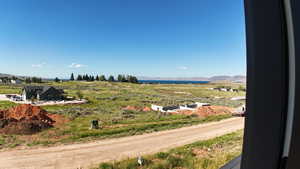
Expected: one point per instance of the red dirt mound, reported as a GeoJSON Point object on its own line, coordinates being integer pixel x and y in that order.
{"type": "Point", "coordinates": [25, 119]}
{"type": "Point", "coordinates": [27, 112]}
{"type": "Point", "coordinates": [205, 111]}
{"type": "Point", "coordinates": [134, 108]}
{"type": "Point", "coordinates": [146, 109]}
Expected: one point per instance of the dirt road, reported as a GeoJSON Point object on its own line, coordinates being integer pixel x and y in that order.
{"type": "Point", "coordinates": [88, 154]}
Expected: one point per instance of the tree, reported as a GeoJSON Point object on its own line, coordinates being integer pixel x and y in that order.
{"type": "Point", "coordinates": [27, 80]}
{"type": "Point", "coordinates": [97, 78]}
{"type": "Point", "coordinates": [57, 79]}
{"type": "Point", "coordinates": [120, 78]}
{"type": "Point", "coordinates": [72, 77]}
{"type": "Point", "coordinates": [79, 78]}
{"type": "Point", "coordinates": [36, 80]}
{"type": "Point", "coordinates": [132, 79]}
{"type": "Point", "coordinates": [111, 78]}
{"type": "Point", "coordinates": [102, 78]}
{"type": "Point", "coordinates": [87, 77]}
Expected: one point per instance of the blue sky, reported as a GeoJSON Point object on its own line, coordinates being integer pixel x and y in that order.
{"type": "Point", "coordinates": [166, 38]}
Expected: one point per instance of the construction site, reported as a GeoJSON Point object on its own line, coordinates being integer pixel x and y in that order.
{"type": "Point", "coordinates": [26, 119]}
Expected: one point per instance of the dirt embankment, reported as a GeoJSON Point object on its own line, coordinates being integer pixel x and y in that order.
{"type": "Point", "coordinates": [205, 111]}
{"type": "Point", "coordinates": [134, 108]}
{"type": "Point", "coordinates": [26, 119]}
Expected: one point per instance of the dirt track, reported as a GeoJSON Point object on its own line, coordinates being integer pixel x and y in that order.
{"type": "Point", "coordinates": [88, 154]}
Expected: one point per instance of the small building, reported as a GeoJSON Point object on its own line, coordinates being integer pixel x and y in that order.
{"type": "Point", "coordinates": [188, 107]}
{"type": "Point", "coordinates": [235, 90]}
{"type": "Point", "coordinates": [239, 98]}
{"type": "Point", "coordinates": [202, 104]}
{"type": "Point", "coordinates": [230, 90]}
{"type": "Point", "coordinates": [16, 81]}
{"type": "Point", "coordinates": [164, 108]}
{"type": "Point", "coordinates": [223, 89]}
{"type": "Point", "coordinates": [1, 81]}
{"type": "Point", "coordinates": [170, 108]}
{"type": "Point", "coordinates": [46, 93]}
{"type": "Point", "coordinates": [156, 107]}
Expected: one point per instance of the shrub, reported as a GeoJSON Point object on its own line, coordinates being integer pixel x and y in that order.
{"type": "Point", "coordinates": [106, 166]}
{"type": "Point", "coordinates": [175, 162]}
{"type": "Point", "coordinates": [160, 165]}
{"type": "Point", "coordinates": [162, 155]}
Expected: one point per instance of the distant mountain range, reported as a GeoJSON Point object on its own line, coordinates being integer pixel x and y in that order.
{"type": "Point", "coordinates": [213, 79]}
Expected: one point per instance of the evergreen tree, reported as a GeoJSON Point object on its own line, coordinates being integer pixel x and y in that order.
{"type": "Point", "coordinates": [97, 78]}
{"type": "Point", "coordinates": [56, 79]}
{"type": "Point", "coordinates": [87, 77]}
{"type": "Point", "coordinates": [123, 78]}
{"type": "Point", "coordinates": [132, 79]}
{"type": "Point", "coordinates": [102, 78]}
{"type": "Point", "coordinates": [120, 78]}
{"type": "Point", "coordinates": [27, 80]}
{"type": "Point", "coordinates": [79, 77]}
{"type": "Point", "coordinates": [111, 79]}
{"type": "Point", "coordinates": [72, 77]}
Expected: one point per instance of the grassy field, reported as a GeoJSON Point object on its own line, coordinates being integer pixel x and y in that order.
{"type": "Point", "coordinates": [210, 154]}
{"type": "Point", "coordinates": [106, 101]}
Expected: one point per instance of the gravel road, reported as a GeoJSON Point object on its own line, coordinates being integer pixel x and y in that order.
{"type": "Point", "coordinates": [85, 155]}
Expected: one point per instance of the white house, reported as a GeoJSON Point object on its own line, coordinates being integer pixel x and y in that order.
{"type": "Point", "coordinates": [239, 98]}
{"type": "Point", "coordinates": [15, 81]}
{"type": "Point", "coordinates": [223, 89]}
{"type": "Point", "coordinates": [188, 107]}
{"type": "Point", "coordinates": [202, 104]}
{"type": "Point", "coordinates": [157, 108]}
{"type": "Point", "coordinates": [164, 108]}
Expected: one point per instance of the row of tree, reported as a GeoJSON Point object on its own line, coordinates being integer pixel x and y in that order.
{"type": "Point", "coordinates": [33, 80]}
{"type": "Point", "coordinates": [6, 79]}
{"type": "Point", "coordinates": [90, 78]}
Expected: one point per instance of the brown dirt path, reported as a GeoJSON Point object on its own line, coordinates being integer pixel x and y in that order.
{"type": "Point", "coordinates": [86, 155]}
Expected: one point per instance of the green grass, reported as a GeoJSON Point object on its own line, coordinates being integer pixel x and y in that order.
{"type": "Point", "coordinates": [6, 104]}
{"type": "Point", "coordinates": [209, 154]}
{"type": "Point", "coordinates": [106, 101]}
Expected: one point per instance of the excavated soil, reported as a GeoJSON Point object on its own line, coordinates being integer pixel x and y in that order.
{"type": "Point", "coordinates": [134, 108]}
{"type": "Point", "coordinates": [26, 119]}
{"type": "Point", "coordinates": [205, 111]}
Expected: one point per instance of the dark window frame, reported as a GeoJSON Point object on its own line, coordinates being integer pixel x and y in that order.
{"type": "Point", "coordinates": [269, 86]}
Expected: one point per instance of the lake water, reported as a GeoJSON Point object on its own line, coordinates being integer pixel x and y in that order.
{"type": "Point", "coordinates": [172, 82]}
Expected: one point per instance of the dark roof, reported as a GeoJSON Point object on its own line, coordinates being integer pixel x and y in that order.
{"type": "Point", "coordinates": [33, 90]}
{"type": "Point", "coordinates": [166, 108]}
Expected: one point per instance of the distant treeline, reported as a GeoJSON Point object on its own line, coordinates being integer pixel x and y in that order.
{"type": "Point", "coordinates": [33, 80]}
{"type": "Point", "coordinates": [7, 79]}
{"type": "Point", "coordinates": [27, 80]}
{"type": "Point", "coordinates": [91, 78]}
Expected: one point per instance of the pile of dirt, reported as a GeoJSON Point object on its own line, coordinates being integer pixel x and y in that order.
{"type": "Point", "coordinates": [134, 108]}
{"type": "Point", "coordinates": [25, 119]}
{"type": "Point", "coordinates": [146, 109]}
{"type": "Point", "coordinates": [205, 111]}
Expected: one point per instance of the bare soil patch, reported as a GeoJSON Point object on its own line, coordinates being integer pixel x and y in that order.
{"type": "Point", "coordinates": [27, 119]}
{"type": "Point", "coordinates": [205, 111]}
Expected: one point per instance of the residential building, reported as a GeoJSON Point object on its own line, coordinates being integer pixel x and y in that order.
{"type": "Point", "coordinates": [42, 93]}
